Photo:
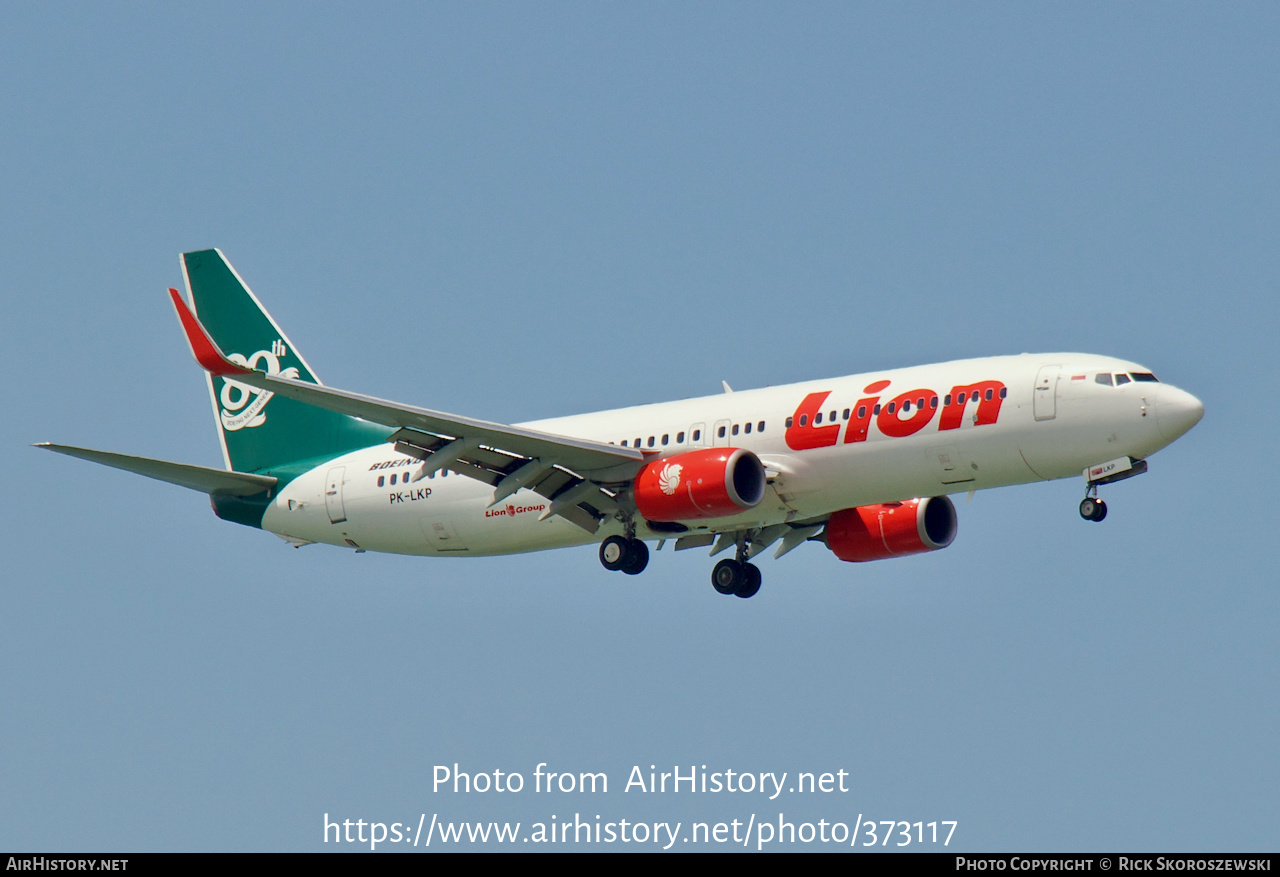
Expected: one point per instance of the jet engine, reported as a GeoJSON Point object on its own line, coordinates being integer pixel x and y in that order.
{"type": "Point", "coordinates": [707, 483]}
{"type": "Point", "coordinates": [892, 529]}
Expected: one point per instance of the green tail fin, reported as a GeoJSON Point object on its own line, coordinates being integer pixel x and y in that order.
{"type": "Point", "coordinates": [258, 430]}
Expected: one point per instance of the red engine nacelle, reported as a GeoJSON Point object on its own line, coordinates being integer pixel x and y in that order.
{"type": "Point", "coordinates": [892, 529]}
{"type": "Point", "coordinates": [710, 483]}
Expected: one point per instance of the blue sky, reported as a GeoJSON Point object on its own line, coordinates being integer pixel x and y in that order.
{"type": "Point", "coordinates": [512, 212]}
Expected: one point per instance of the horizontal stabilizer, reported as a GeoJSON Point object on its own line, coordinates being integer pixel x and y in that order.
{"type": "Point", "coordinates": [199, 478]}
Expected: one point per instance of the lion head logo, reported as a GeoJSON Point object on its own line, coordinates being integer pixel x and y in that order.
{"type": "Point", "coordinates": [669, 478]}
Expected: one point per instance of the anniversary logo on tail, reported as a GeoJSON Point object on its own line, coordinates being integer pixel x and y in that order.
{"type": "Point", "coordinates": [861, 464]}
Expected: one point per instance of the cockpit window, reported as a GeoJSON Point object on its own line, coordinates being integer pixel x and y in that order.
{"type": "Point", "coordinates": [1147, 377]}
{"type": "Point", "coordinates": [1121, 380]}
{"type": "Point", "coordinates": [1104, 378]}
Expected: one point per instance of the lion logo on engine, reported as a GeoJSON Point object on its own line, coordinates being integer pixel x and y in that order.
{"type": "Point", "coordinates": [669, 478]}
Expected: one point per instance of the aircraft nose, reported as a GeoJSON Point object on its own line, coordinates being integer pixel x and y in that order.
{"type": "Point", "coordinates": [1177, 411]}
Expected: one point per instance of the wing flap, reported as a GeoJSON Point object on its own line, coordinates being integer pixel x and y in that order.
{"type": "Point", "coordinates": [576, 499]}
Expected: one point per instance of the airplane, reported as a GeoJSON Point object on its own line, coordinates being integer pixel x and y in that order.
{"type": "Point", "coordinates": [861, 464]}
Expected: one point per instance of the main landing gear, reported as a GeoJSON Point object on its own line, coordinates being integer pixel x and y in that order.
{"type": "Point", "coordinates": [736, 577]}
{"type": "Point", "coordinates": [629, 555]}
{"type": "Point", "coordinates": [620, 554]}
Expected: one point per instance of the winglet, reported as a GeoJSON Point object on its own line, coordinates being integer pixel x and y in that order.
{"type": "Point", "coordinates": [211, 359]}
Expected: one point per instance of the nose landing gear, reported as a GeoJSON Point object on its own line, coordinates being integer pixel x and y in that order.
{"type": "Point", "coordinates": [1092, 508]}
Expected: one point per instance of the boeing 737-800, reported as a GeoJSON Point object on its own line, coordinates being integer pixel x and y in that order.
{"type": "Point", "coordinates": [861, 464]}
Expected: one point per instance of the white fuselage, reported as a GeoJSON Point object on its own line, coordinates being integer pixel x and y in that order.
{"type": "Point", "coordinates": [1024, 418]}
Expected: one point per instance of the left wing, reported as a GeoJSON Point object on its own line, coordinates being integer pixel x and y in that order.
{"type": "Point", "coordinates": [575, 474]}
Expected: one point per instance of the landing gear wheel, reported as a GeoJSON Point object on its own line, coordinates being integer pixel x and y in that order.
{"type": "Point", "coordinates": [751, 586]}
{"type": "Point", "coordinates": [728, 577]}
{"type": "Point", "coordinates": [1092, 509]}
{"type": "Point", "coordinates": [620, 554]}
{"type": "Point", "coordinates": [614, 553]}
{"type": "Point", "coordinates": [637, 557]}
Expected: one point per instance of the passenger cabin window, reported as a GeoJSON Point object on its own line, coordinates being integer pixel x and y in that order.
{"type": "Point", "coordinates": [680, 438]}
{"type": "Point", "coordinates": [760, 426]}
{"type": "Point", "coordinates": [720, 432]}
{"type": "Point", "coordinates": [381, 480]}
{"type": "Point", "coordinates": [789, 422]}
{"type": "Point", "coordinates": [747, 429]}
{"type": "Point", "coordinates": [666, 438]}
{"type": "Point", "coordinates": [697, 435]}
{"type": "Point", "coordinates": [735, 429]}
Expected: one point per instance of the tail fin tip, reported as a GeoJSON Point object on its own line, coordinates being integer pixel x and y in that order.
{"type": "Point", "coordinates": [230, 332]}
